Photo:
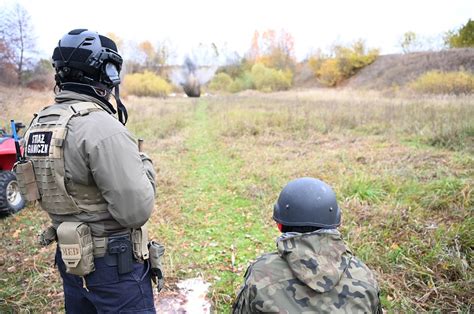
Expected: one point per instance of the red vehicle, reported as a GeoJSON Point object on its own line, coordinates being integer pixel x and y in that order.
{"type": "Point", "coordinates": [11, 200]}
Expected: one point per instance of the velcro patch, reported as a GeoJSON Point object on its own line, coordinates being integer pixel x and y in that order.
{"type": "Point", "coordinates": [39, 143]}
{"type": "Point", "coordinates": [71, 254]}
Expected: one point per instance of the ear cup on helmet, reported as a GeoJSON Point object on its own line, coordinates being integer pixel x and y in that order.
{"type": "Point", "coordinates": [112, 73]}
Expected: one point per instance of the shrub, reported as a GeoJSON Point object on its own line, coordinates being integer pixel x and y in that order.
{"type": "Point", "coordinates": [243, 82]}
{"type": "Point", "coordinates": [353, 58]}
{"type": "Point", "coordinates": [315, 61]}
{"type": "Point", "coordinates": [146, 84]}
{"type": "Point", "coordinates": [436, 82]}
{"type": "Point", "coordinates": [343, 62]}
{"type": "Point", "coordinates": [268, 80]}
{"type": "Point", "coordinates": [258, 77]}
{"type": "Point", "coordinates": [329, 72]}
{"type": "Point", "coordinates": [220, 82]}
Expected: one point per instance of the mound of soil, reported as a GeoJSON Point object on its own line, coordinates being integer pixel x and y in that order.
{"type": "Point", "coordinates": [395, 69]}
{"type": "Point", "coordinates": [399, 69]}
{"type": "Point", "coordinates": [304, 76]}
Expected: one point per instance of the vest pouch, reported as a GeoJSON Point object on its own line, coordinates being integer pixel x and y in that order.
{"type": "Point", "coordinates": [25, 174]}
{"type": "Point", "coordinates": [77, 249]}
{"type": "Point", "coordinates": [140, 243]}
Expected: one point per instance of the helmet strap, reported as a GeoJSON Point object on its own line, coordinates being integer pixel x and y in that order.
{"type": "Point", "coordinates": [122, 111]}
{"type": "Point", "coordinates": [280, 226]}
{"type": "Point", "coordinates": [92, 89]}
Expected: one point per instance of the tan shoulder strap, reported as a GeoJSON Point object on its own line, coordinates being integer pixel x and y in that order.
{"type": "Point", "coordinates": [84, 108]}
{"type": "Point", "coordinates": [77, 109]}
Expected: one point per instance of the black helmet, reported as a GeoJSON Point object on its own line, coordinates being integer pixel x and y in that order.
{"type": "Point", "coordinates": [85, 57]}
{"type": "Point", "coordinates": [307, 202]}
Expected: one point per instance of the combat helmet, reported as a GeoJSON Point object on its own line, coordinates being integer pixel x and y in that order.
{"type": "Point", "coordinates": [307, 202]}
{"type": "Point", "coordinates": [84, 57]}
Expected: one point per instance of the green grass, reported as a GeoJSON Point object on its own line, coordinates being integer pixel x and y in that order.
{"type": "Point", "coordinates": [364, 189]}
{"type": "Point", "coordinates": [215, 226]}
{"type": "Point", "coordinates": [221, 162]}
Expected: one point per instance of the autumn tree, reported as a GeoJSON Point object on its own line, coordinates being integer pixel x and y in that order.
{"type": "Point", "coordinates": [273, 49]}
{"type": "Point", "coordinates": [154, 57]}
{"type": "Point", "coordinates": [7, 69]}
{"type": "Point", "coordinates": [463, 37]}
{"type": "Point", "coordinates": [254, 51]}
{"type": "Point", "coordinates": [17, 42]}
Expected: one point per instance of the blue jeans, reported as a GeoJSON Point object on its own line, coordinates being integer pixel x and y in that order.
{"type": "Point", "coordinates": [108, 292]}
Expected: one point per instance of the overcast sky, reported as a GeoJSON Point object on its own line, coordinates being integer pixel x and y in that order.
{"type": "Point", "coordinates": [314, 24]}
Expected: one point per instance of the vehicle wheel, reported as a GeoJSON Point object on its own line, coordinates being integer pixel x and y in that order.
{"type": "Point", "coordinates": [10, 196]}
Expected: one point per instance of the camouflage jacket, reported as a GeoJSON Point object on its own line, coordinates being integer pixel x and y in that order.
{"type": "Point", "coordinates": [311, 273]}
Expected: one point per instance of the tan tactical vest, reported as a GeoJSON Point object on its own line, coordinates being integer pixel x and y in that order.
{"type": "Point", "coordinates": [44, 147]}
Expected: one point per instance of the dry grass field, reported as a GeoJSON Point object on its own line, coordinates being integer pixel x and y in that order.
{"type": "Point", "coordinates": [402, 167]}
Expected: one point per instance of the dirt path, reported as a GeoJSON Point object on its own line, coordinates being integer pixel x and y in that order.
{"type": "Point", "coordinates": [216, 233]}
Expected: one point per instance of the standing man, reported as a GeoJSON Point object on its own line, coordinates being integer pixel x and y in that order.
{"type": "Point", "coordinates": [313, 270]}
{"type": "Point", "coordinates": [90, 177]}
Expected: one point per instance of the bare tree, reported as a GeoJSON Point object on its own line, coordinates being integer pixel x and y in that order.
{"type": "Point", "coordinates": [410, 42]}
{"type": "Point", "coordinates": [17, 39]}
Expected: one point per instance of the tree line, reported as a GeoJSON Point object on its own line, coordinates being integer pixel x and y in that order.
{"type": "Point", "coordinates": [272, 51]}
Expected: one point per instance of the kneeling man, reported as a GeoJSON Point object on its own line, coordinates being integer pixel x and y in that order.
{"type": "Point", "coordinates": [313, 270]}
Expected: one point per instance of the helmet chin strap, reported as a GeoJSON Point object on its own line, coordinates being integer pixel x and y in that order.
{"type": "Point", "coordinates": [96, 89]}
{"type": "Point", "coordinates": [122, 111]}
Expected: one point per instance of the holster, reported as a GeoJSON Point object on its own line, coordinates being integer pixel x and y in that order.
{"type": "Point", "coordinates": [119, 253]}
{"type": "Point", "coordinates": [47, 237]}
{"type": "Point", "coordinates": [157, 251]}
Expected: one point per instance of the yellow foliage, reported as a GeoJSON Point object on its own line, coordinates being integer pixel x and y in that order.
{"type": "Point", "coordinates": [354, 57]}
{"type": "Point", "coordinates": [344, 63]}
{"type": "Point", "coordinates": [329, 72]}
{"type": "Point", "coordinates": [436, 82]}
{"type": "Point", "coordinates": [315, 63]}
{"type": "Point", "coordinates": [146, 84]}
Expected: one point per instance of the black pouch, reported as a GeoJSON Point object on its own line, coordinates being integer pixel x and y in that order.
{"type": "Point", "coordinates": [120, 254]}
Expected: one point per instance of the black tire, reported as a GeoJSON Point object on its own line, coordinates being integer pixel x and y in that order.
{"type": "Point", "coordinates": [10, 197]}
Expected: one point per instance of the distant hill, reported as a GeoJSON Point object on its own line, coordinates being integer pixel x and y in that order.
{"type": "Point", "coordinates": [399, 69]}
{"type": "Point", "coordinates": [396, 69]}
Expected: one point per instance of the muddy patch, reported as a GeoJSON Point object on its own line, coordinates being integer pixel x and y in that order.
{"type": "Point", "coordinates": [186, 296]}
